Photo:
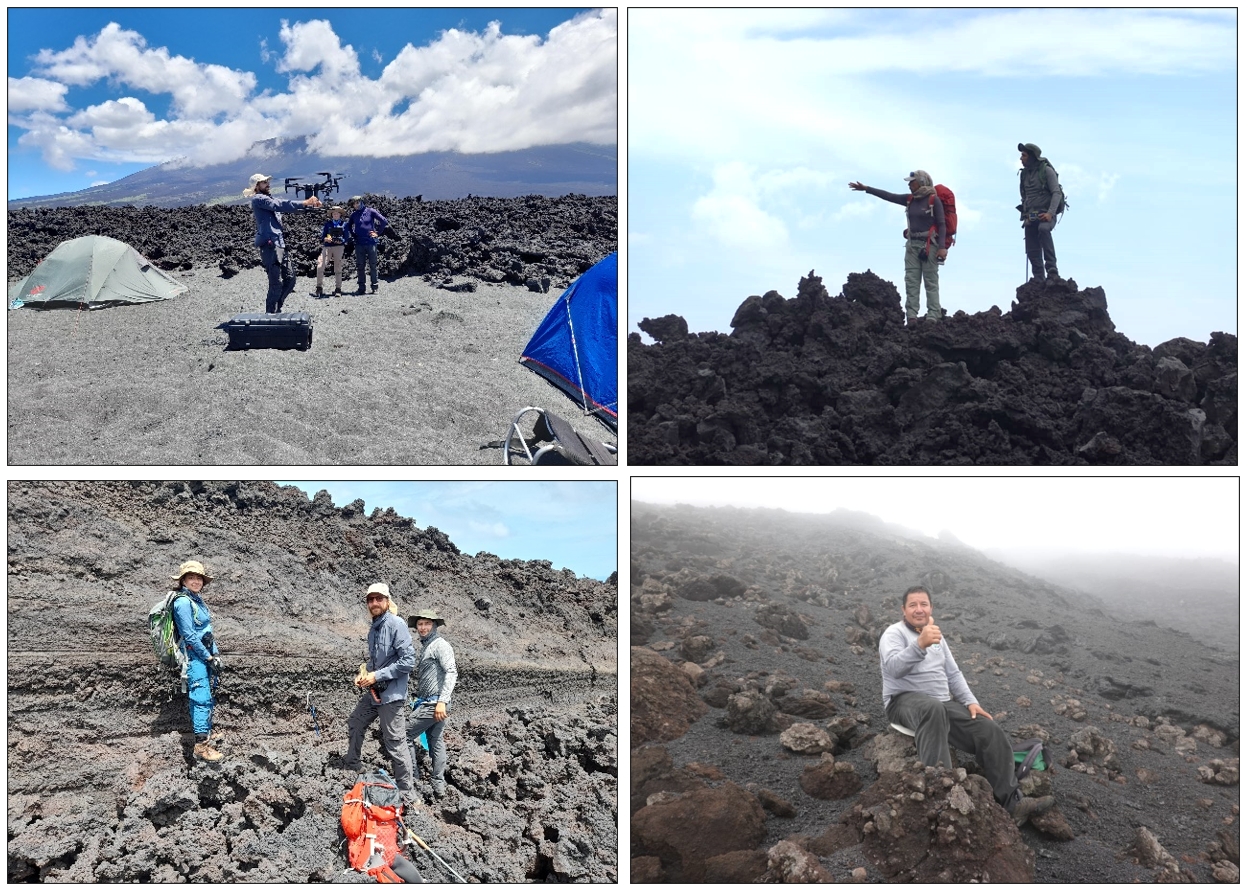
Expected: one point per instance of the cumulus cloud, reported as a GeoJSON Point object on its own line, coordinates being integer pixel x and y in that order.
{"type": "Point", "coordinates": [36, 94]}
{"type": "Point", "coordinates": [464, 91]}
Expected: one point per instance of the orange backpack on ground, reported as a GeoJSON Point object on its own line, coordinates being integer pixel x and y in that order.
{"type": "Point", "coordinates": [370, 820]}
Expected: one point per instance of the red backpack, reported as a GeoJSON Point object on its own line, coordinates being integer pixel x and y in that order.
{"type": "Point", "coordinates": [951, 215]}
{"type": "Point", "coordinates": [371, 810]}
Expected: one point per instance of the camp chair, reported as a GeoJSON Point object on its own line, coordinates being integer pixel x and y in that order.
{"type": "Point", "coordinates": [554, 436]}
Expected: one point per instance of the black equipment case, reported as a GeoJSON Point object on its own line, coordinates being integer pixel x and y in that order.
{"type": "Point", "coordinates": [259, 330]}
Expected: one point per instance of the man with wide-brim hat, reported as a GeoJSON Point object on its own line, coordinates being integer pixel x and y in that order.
{"type": "Point", "coordinates": [193, 623]}
{"type": "Point", "coordinates": [435, 681]}
{"type": "Point", "coordinates": [270, 239]}
{"type": "Point", "coordinates": [383, 680]}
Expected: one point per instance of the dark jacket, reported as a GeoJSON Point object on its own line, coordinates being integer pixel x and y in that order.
{"type": "Point", "coordinates": [268, 211]}
{"type": "Point", "coordinates": [1040, 194]}
{"type": "Point", "coordinates": [364, 220]}
{"type": "Point", "coordinates": [336, 230]}
{"type": "Point", "coordinates": [391, 656]}
{"type": "Point", "coordinates": [921, 213]}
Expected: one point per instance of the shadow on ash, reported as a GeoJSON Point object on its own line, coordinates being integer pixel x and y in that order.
{"type": "Point", "coordinates": [102, 784]}
{"type": "Point", "coordinates": [840, 380]}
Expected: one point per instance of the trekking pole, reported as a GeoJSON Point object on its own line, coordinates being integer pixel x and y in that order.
{"type": "Point", "coordinates": [424, 846]}
{"type": "Point", "coordinates": [313, 709]}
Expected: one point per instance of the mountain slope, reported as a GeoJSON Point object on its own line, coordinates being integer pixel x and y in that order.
{"type": "Point", "coordinates": [552, 170]}
{"type": "Point", "coordinates": [767, 607]}
{"type": "Point", "coordinates": [101, 785]}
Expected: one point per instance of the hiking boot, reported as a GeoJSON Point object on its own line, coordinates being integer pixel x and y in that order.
{"type": "Point", "coordinates": [206, 752]}
{"type": "Point", "coordinates": [359, 292]}
{"type": "Point", "coordinates": [439, 787]}
{"type": "Point", "coordinates": [374, 288]}
{"type": "Point", "coordinates": [320, 293]}
{"type": "Point", "coordinates": [1053, 281]}
{"type": "Point", "coordinates": [1030, 807]}
{"type": "Point", "coordinates": [338, 292]}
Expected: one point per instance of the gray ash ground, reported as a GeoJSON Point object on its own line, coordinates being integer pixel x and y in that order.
{"type": "Point", "coordinates": [101, 786]}
{"type": "Point", "coordinates": [839, 380]}
{"type": "Point", "coordinates": [1003, 627]}
{"type": "Point", "coordinates": [423, 372]}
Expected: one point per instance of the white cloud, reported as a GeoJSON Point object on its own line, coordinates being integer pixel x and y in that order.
{"type": "Point", "coordinates": [490, 529]}
{"type": "Point", "coordinates": [36, 94]}
{"type": "Point", "coordinates": [465, 91]}
{"type": "Point", "coordinates": [731, 211]}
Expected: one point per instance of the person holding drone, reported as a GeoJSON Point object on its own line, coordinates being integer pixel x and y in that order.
{"type": "Point", "coordinates": [269, 238]}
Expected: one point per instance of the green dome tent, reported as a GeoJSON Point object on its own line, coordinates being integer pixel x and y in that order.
{"type": "Point", "coordinates": [93, 271]}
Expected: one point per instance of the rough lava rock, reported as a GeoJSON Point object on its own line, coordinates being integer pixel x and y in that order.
{"type": "Point", "coordinates": [823, 379]}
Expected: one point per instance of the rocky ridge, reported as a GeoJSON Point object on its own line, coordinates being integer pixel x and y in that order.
{"type": "Point", "coordinates": [822, 379]}
{"type": "Point", "coordinates": [101, 785]}
{"type": "Point", "coordinates": [756, 715]}
{"type": "Point", "coordinates": [541, 242]}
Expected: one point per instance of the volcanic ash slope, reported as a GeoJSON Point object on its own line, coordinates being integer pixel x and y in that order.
{"type": "Point", "coordinates": [101, 785]}
{"type": "Point", "coordinates": [839, 380]}
{"type": "Point", "coordinates": [759, 746]}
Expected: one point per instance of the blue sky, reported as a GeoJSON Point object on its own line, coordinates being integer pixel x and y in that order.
{"type": "Point", "coordinates": [97, 94]}
{"type": "Point", "coordinates": [745, 128]}
{"type": "Point", "coordinates": [573, 524]}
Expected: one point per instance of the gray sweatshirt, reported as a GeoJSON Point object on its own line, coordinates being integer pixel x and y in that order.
{"type": "Point", "coordinates": [919, 216]}
{"type": "Point", "coordinates": [904, 667]}
{"type": "Point", "coordinates": [435, 672]}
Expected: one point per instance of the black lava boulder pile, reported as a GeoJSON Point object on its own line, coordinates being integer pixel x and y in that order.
{"type": "Point", "coordinates": [451, 243]}
{"type": "Point", "coordinates": [839, 379]}
{"type": "Point", "coordinates": [101, 782]}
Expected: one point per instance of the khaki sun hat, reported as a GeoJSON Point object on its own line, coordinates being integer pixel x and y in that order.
{"type": "Point", "coordinates": [383, 589]}
{"type": "Point", "coordinates": [426, 613]}
{"type": "Point", "coordinates": [192, 566]}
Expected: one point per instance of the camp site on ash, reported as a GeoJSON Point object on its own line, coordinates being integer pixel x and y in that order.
{"type": "Point", "coordinates": [822, 379]}
{"type": "Point", "coordinates": [760, 751]}
{"type": "Point", "coordinates": [102, 782]}
{"type": "Point", "coordinates": [121, 319]}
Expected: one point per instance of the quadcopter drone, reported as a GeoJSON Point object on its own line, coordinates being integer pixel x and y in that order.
{"type": "Point", "coordinates": [302, 185]}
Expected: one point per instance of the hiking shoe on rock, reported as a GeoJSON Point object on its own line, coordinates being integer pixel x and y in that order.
{"type": "Point", "coordinates": [1053, 281]}
{"type": "Point", "coordinates": [439, 788]}
{"type": "Point", "coordinates": [206, 752]}
{"type": "Point", "coordinates": [1030, 807]}
{"type": "Point", "coordinates": [375, 288]}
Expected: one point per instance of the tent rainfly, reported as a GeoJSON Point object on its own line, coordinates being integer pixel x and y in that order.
{"type": "Point", "coordinates": [575, 345]}
{"type": "Point", "coordinates": [93, 271]}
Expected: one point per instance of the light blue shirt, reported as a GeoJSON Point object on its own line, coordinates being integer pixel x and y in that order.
{"type": "Point", "coordinates": [904, 667]}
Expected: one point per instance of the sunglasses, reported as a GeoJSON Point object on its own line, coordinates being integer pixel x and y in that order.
{"type": "Point", "coordinates": [374, 599]}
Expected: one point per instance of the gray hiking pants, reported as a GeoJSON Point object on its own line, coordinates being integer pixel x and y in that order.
{"type": "Point", "coordinates": [927, 269]}
{"type": "Point", "coordinates": [423, 722]}
{"type": "Point", "coordinates": [394, 739]}
{"type": "Point", "coordinates": [1038, 240]}
{"type": "Point", "coordinates": [939, 724]}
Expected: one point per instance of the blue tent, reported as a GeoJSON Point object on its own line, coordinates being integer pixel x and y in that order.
{"type": "Point", "coordinates": [575, 346]}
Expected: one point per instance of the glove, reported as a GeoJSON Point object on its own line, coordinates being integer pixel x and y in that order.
{"type": "Point", "coordinates": [215, 663]}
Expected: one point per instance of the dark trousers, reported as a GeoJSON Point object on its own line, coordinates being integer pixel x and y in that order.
{"type": "Point", "coordinates": [366, 252]}
{"type": "Point", "coordinates": [393, 738]}
{"type": "Point", "coordinates": [1038, 239]}
{"type": "Point", "coordinates": [939, 724]}
{"type": "Point", "coordinates": [424, 722]}
{"type": "Point", "coordinates": [277, 263]}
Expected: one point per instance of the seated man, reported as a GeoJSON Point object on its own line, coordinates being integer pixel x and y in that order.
{"type": "Point", "coordinates": [919, 676]}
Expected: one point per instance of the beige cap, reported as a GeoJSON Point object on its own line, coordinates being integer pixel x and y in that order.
{"type": "Point", "coordinates": [191, 566]}
{"type": "Point", "coordinates": [383, 589]}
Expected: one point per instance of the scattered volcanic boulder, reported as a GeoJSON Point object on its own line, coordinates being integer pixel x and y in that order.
{"type": "Point", "coordinates": [686, 830]}
{"type": "Point", "coordinates": [938, 825]}
{"type": "Point", "coordinates": [838, 379]}
{"type": "Point", "coordinates": [662, 700]}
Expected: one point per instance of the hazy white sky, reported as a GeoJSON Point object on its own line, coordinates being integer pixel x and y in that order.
{"type": "Point", "coordinates": [1161, 517]}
